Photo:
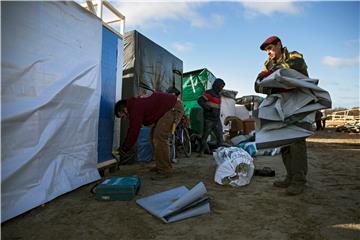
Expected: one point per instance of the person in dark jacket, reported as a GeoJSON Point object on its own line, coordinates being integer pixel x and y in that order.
{"type": "Point", "coordinates": [210, 102]}
{"type": "Point", "coordinates": [294, 156]}
{"type": "Point", "coordinates": [163, 110]}
{"type": "Point", "coordinates": [318, 118]}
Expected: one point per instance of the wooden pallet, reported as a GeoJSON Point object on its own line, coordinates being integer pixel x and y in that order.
{"type": "Point", "coordinates": [107, 167]}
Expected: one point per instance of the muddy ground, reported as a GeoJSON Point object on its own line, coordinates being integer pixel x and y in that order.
{"type": "Point", "coordinates": [328, 209]}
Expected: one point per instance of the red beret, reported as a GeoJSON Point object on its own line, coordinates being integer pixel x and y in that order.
{"type": "Point", "coordinates": [269, 41]}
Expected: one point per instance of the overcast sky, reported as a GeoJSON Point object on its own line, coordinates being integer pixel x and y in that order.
{"type": "Point", "coordinates": [225, 38]}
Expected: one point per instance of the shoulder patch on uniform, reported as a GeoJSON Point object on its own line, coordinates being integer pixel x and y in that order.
{"type": "Point", "coordinates": [296, 55]}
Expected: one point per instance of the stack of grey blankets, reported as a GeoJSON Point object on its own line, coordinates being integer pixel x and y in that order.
{"type": "Point", "coordinates": [285, 117]}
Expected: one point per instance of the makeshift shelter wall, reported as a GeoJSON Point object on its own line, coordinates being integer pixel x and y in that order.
{"type": "Point", "coordinates": [50, 82]}
{"type": "Point", "coordinates": [148, 66]}
{"type": "Point", "coordinates": [111, 81]}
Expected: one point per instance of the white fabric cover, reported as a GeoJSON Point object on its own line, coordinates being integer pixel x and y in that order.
{"type": "Point", "coordinates": [235, 167]}
{"type": "Point", "coordinates": [227, 108]}
{"type": "Point", "coordinates": [51, 54]}
{"type": "Point", "coordinates": [279, 115]}
{"type": "Point", "coordinates": [241, 112]}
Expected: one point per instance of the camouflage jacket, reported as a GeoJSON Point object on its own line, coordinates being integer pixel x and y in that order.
{"type": "Point", "coordinates": [293, 60]}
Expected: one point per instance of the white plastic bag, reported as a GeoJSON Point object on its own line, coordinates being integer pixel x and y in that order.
{"type": "Point", "coordinates": [235, 166]}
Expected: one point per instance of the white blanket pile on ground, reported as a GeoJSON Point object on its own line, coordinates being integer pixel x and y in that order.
{"type": "Point", "coordinates": [235, 166]}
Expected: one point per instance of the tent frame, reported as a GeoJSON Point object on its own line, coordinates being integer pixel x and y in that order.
{"type": "Point", "coordinates": [97, 7]}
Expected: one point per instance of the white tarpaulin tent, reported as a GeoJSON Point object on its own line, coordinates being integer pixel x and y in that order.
{"type": "Point", "coordinates": [51, 55]}
{"type": "Point", "coordinates": [281, 116]}
{"type": "Point", "coordinates": [227, 107]}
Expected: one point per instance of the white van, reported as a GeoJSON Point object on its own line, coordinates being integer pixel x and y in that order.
{"type": "Point", "coordinates": [340, 118]}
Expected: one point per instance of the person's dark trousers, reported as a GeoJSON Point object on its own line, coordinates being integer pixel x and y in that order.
{"type": "Point", "coordinates": [211, 126]}
{"type": "Point", "coordinates": [323, 124]}
{"type": "Point", "coordinates": [318, 125]}
{"type": "Point", "coordinates": [294, 157]}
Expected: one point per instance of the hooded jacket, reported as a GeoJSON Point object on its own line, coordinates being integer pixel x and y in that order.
{"type": "Point", "coordinates": [211, 100]}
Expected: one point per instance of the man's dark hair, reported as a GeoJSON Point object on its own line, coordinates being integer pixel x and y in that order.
{"type": "Point", "coordinates": [119, 107]}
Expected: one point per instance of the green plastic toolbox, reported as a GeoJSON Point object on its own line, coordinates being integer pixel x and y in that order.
{"type": "Point", "coordinates": [118, 188]}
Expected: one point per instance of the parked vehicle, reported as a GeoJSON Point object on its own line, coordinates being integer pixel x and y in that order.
{"type": "Point", "coordinates": [349, 128]}
{"type": "Point", "coordinates": [340, 118]}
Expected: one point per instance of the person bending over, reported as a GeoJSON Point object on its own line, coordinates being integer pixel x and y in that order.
{"type": "Point", "coordinates": [164, 111]}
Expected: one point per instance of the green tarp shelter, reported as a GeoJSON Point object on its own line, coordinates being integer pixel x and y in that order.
{"type": "Point", "coordinates": [195, 83]}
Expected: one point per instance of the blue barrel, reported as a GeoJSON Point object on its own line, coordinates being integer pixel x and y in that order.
{"type": "Point", "coordinates": [144, 147]}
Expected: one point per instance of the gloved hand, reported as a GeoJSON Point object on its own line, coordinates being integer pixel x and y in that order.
{"type": "Point", "coordinates": [263, 74]}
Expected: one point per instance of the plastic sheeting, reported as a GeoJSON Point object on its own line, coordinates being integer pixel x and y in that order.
{"type": "Point", "coordinates": [227, 107]}
{"type": "Point", "coordinates": [281, 117]}
{"type": "Point", "coordinates": [51, 54]}
{"type": "Point", "coordinates": [195, 83]}
{"type": "Point", "coordinates": [241, 112]}
{"type": "Point", "coordinates": [148, 67]}
{"type": "Point", "coordinates": [178, 203]}
{"type": "Point", "coordinates": [144, 146]}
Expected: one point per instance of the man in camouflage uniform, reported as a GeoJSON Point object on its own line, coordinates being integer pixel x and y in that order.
{"type": "Point", "coordinates": [294, 156]}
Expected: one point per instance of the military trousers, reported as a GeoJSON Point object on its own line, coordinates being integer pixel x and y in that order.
{"type": "Point", "coordinates": [294, 158]}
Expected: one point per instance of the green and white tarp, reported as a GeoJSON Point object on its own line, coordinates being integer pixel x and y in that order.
{"type": "Point", "coordinates": [195, 83]}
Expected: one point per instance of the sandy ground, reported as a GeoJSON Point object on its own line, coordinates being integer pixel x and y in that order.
{"type": "Point", "coordinates": [328, 209]}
